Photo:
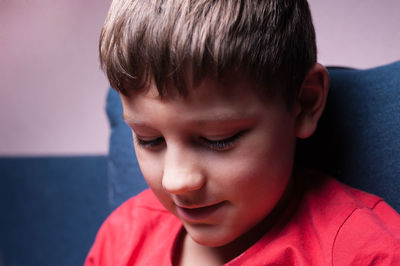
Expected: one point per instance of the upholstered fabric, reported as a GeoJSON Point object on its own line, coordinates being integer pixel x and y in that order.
{"type": "Point", "coordinates": [125, 178]}
{"type": "Point", "coordinates": [358, 139]}
{"type": "Point", "coordinates": [51, 208]}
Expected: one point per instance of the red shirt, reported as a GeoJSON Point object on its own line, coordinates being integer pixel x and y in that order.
{"type": "Point", "coordinates": [328, 223]}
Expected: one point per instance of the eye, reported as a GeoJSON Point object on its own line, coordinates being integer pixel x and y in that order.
{"type": "Point", "coordinates": [151, 144]}
{"type": "Point", "coordinates": [222, 144]}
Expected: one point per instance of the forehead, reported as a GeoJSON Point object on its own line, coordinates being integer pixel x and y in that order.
{"type": "Point", "coordinates": [231, 86]}
{"type": "Point", "coordinates": [215, 100]}
{"type": "Point", "coordinates": [209, 91]}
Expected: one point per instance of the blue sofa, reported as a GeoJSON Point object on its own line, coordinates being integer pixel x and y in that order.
{"type": "Point", "coordinates": [51, 207]}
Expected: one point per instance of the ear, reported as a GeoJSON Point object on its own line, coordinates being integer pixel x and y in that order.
{"type": "Point", "coordinates": [311, 100]}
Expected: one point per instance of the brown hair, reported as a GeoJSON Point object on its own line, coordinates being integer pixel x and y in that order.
{"type": "Point", "coordinates": [142, 41]}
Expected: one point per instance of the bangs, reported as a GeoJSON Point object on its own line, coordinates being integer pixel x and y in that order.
{"type": "Point", "coordinates": [161, 42]}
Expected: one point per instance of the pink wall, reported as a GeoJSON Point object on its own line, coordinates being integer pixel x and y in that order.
{"type": "Point", "coordinates": [356, 33]}
{"type": "Point", "coordinates": [52, 92]}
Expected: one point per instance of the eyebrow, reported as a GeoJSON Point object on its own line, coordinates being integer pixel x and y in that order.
{"type": "Point", "coordinates": [223, 119]}
{"type": "Point", "coordinates": [131, 121]}
{"type": "Point", "coordinates": [211, 119]}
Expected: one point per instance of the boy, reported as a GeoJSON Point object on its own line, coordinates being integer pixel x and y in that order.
{"type": "Point", "coordinates": [216, 93]}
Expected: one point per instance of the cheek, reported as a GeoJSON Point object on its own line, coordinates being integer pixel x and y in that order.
{"type": "Point", "coordinates": [261, 168]}
{"type": "Point", "coordinates": [151, 167]}
{"type": "Point", "coordinates": [251, 175]}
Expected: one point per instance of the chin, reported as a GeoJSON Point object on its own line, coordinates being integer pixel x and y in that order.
{"type": "Point", "coordinates": [209, 237]}
{"type": "Point", "coordinates": [212, 243]}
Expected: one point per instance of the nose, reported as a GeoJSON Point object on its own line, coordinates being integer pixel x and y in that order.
{"type": "Point", "coordinates": [182, 172]}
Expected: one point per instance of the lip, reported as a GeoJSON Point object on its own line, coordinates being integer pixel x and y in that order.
{"type": "Point", "coordinates": [198, 214]}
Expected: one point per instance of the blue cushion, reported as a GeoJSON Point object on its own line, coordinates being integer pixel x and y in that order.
{"type": "Point", "coordinates": [125, 178]}
{"type": "Point", "coordinates": [358, 139]}
{"type": "Point", "coordinates": [51, 208]}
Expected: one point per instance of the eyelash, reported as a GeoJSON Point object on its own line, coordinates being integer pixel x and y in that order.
{"type": "Point", "coordinates": [223, 144]}
{"type": "Point", "coordinates": [149, 144]}
{"type": "Point", "coordinates": [217, 145]}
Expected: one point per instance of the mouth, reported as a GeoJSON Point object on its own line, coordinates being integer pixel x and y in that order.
{"type": "Point", "coordinates": [199, 214]}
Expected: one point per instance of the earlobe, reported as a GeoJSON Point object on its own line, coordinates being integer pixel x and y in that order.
{"type": "Point", "coordinates": [311, 100]}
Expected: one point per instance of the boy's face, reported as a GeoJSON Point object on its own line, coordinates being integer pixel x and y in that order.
{"type": "Point", "coordinates": [219, 159]}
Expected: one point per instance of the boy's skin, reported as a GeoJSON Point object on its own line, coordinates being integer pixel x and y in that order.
{"type": "Point", "coordinates": [221, 158]}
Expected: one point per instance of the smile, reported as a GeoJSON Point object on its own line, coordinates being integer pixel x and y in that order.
{"type": "Point", "coordinates": [200, 213]}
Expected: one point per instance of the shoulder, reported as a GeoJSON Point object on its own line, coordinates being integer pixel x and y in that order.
{"type": "Point", "coordinates": [134, 208]}
{"type": "Point", "coordinates": [131, 229]}
{"type": "Point", "coordinates": [362, 228]}
{"type": "Point", "coordinates": [369, 234]}
{"type": "Point", "coordinates": [135, 213]}
{"type": "Point", "coordinates": [325, 194]}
